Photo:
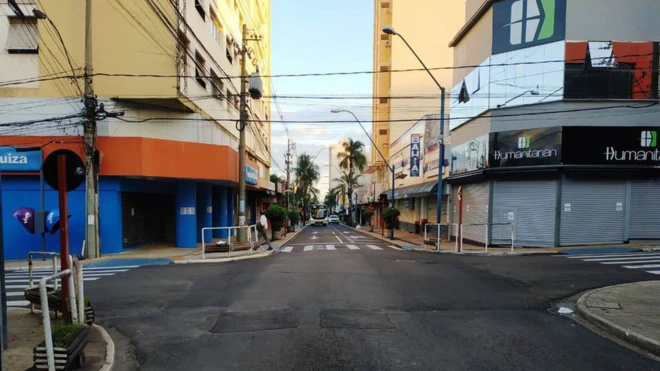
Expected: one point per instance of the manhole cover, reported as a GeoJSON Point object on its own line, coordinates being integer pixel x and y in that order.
{"type": "Point", "coordinates": [403, 261]}
{"type": "Point", "coordinates": [602, 304]}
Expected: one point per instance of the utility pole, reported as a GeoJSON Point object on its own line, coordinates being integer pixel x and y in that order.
{"type": "Point", "coordinates": [91, 204]}
{"type": "Point", "coordinates": [288, 178]}
{"type": "Point", "coordinates": [242, 161]}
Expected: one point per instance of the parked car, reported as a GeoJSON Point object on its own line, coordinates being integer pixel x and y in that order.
{"type": "Point", "coordinates": [333, 219]}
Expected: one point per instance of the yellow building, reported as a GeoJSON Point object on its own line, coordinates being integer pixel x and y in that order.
{"type": "Point", "coordinates": [411, 100]}
{"type": "Point", "coordinates": [174, 69]}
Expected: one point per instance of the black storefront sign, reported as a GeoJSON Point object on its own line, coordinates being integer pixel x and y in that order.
{"type": "Point", "coordinates": [637, 146]}
{"type": "Point", "coordinates": [533, 147]}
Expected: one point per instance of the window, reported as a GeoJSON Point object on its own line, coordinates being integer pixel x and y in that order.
{"type": "Point", "coordinates": [229, 53]}
{"type": "Point", "coordinates": [200, 9]}
{"type": "Point", "coordinates": [385, 5]}
{"type": "Point", "coordinates": [23, 37]}
{"type": "Point", "coordinates": [384, 68]}
{"type": "Point", "coordinates": [215, 27]}
{"type": "Point", "coordinates": [384, 36]}
{"type": "Point", "coordinates": [217, 86]}
{"type": "Point", "coordinates": [384, 100]}
{"type": "Point", "coordinates": [199, 70]}
{"type": "Point", "coordinates": [382, 132]}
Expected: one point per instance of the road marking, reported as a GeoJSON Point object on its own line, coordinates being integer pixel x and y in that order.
{"type": "Point", "coordinates": [309, 248]}
{"type": "Point", "coordinates": [330, 247]}
{"type": "Point", "coordinates": [642, 266]}
{"type": "Point", "coordinates": [340, 241]}
{"type": "Point", "coordinates": [374, 247]}
{"type": "Point", "coordinates": [396, 247]}
{"type": "Point", "coordinates": [353, 247]}
{"type": "Point", "coordinates": [653, 272]}
{"type": "Point", "coordinates": [287, 249]}
{"type": "Point", "coordinates": [621, 259]}
{"type": "Point", "coordinates": [631, 262]}
{"type": "Point", "coordinates": [17, 303]}
{"type": "Point", "coordinates": [314, 238]}
{"type": "Point", "coordinates": [334, 233]}
{"type": "Point", "coordinates": [89, 274]}
{"type": "Point", "coordinates": [37, 281]}
{"type": "Point", "coordinates": [612, 255]}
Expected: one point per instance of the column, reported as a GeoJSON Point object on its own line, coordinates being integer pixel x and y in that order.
{"type": "Point", "coordinates": [186, 221]}
{"type": "Point", "coordinates": [220, 211]}
{"type": "Point", "coordinates": [204, 211]}
{"type": "Point", "coordinates": [231, 220]}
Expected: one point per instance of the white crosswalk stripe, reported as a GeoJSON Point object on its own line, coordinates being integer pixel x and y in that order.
{"type": "Point", "coordinates": [374, 247]}
{"type": "Point", "coordinates": [330, 247]}
{"type": "Point", "coordinates": [287, 249]}
{"type": "Point", "coordinates": [336, 247]}
{"type": "Point", "coordinates": [18, 281]}
{"type": "Point", "coordinates": [352, 247]}
{"type": "Point", "coordinates": [649, 262]}
{"type": "Point", "coordinates": [309, 248]}
{"type": "Point", "coordinates": [395, 247]}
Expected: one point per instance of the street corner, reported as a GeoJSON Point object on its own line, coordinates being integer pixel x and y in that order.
{"type": "Point", "coordinates": [626, 311]}
{"type": "Point", "coordinates": [217, 258]}
{"type": "Point", "coordinates": [598, 250]}
{"type": "Point", "coordinates": [128, 262]}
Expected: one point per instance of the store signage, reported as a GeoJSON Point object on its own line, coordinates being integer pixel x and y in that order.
{"type": "Point", "coordinates": [611, 146]}
{"type": "Point", "coordinates": [470, 156]}
{"type": "Point", "coordinates": [520, 24]}
{"type": "Point", "coordinates": [415, 154]}
{"type": "Point", "coordinates": [534, 147]}
{"type": "Point", "coordinates": [13, 160]}
{"type": "Point", "coordinates": [251, 175]}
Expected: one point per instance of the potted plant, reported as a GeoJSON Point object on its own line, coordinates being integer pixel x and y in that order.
{"type": "Point", "coordinates": [293, 220]}
{"type": "Point", "coordinates": [367, 215]}
{"type": "Point", "coordinates": [276, 214]}
{"type": "Point", "coordinates": [68, 342]}
{"type": "Point", "coordinates": [390, 215]}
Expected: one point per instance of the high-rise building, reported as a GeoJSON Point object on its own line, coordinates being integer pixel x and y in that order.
{"type": "Point", "coordinates": [411, 99]}
{"type": "Point", "coordinates": [169, 166]}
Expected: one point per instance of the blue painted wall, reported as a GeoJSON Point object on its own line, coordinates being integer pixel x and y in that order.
{"type": "Point", "coordinates": [186, 224]}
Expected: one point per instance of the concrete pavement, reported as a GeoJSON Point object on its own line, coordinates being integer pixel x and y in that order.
{"type": "Point", "coordinates": [629, 311]}
{"type": "Point", "coordinates": [361, 309]}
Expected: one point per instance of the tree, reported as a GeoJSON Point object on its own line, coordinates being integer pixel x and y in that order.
{"type": "Point", "coordinates": [331, 199]}
{"type": "Point", "coordinates": [275, 178]}
{"type": "Point", "coordinates": [353, 160]}
{"type": "Point", "coordinates": [348, 181]}
{"type": "Point", "coordinates": [307, 174]}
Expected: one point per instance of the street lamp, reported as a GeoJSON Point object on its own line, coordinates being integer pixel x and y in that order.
{"type": "Point", "coordinates": [390, 167]}
{"type": "Point", "coordinates": [389, 30]}
{"type": "Point", "coordinates": [532, 92]}
{"type": "Point", "coordinates": [321, 150]}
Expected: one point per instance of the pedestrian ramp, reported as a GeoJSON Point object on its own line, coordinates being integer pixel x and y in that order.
{"type": "Point", "coordinates": [643, 261]}
{"type": "Point", "coordinates": [337, 247]}
{"type": "Point", "coordinates": [17, 281]}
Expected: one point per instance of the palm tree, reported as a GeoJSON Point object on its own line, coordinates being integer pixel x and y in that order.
{"type": "Point", "coordinates": [331, 199]}
{"type": "Point", "coordinates": [352, 160]}
{"type": "Point", "coordinates": [307, 174]}
{"type": "Point", "coordinates": [347, 182]}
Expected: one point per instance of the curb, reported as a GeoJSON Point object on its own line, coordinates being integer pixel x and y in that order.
{"type": "Point", "coordinates": [109, 362]}
{"type": "Point", "coordinates": [225, 260]}
{"type": "Point", "coordinates": [628, 335]}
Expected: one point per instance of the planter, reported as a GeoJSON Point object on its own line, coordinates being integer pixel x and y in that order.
{"type": "Point", "coordinates": [292, 228]}
{"type": "Point", "coordinates": [370, 228]}
{"type": "Point", "coordinates": [67, 358]}
{"type": "Point", "coordinates": [390, 233]}
{"type": "Point", "coordinates": [54, 301]}
{"type": "Point", "coordinates": [277, 235]}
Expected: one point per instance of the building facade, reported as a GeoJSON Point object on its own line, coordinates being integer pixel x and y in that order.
{"type": "Point", "coordinates": [407, 103]}
{"type": "Point", "coordinates": [554, 133]}
{"type": "Point", "coordinates": [169, 165]}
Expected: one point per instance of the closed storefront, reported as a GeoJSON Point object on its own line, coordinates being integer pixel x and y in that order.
{"type": "Point", "coordinates": [530, 206]}
{"type": "Point", "coordinates": [644, 209]}
{"type": "Point", "coordinates": [592, 212]}
{"type": "Point", "coordinates": [147, 219]}
{"type": "Point", "coordinates": [475, 211]}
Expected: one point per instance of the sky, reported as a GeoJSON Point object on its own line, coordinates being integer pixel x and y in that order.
{"type": "Point", "coordinates": [313, 37]}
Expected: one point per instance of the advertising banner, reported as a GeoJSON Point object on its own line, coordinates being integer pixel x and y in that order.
{"type": "Point", "coordinates": [611, 146]}
{"type": "Point", "coordinates": [11, 160]}
{"type": "Point", "coordinates": [431, 146]}
{"type": "Point", "coordinates": [470, 156]}
{"type": "Point", "coordinates": [251, 175]}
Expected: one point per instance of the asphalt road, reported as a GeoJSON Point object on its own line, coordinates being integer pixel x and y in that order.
{"type": "Point", "coordinates": [361, 308]}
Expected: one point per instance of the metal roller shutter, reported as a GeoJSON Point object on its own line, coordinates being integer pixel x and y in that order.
{"type": "Point", "coordinates": [531, 207]}
{"type": "Point", "coordinates": [475, 210]}
{"type": "Point", "coordinates": [644, 206]}
{"type": "Point", "coordinates": [592, 212]}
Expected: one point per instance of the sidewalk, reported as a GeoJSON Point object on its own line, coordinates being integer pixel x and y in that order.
{"type": "Point", "coordinates": [629, 311]}
{"type": "Point", "coordinates": [26, 331]}
{"type": "Point", "coordinates": [412, 241]}
{"type": "Point", "coordinates": [163, 254]}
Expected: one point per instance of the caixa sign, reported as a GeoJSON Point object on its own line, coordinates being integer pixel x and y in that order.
{"type": "Point", "coordinates": [18, 159]}
{"type": "Point", "coordinates": [251, 175]}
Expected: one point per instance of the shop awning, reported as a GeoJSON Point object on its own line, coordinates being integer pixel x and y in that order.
{"type": "Point", "coordinates": [418, 190]}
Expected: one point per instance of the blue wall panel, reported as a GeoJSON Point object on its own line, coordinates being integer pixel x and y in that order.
{"type": "Point", "coordinates": [186, 224]}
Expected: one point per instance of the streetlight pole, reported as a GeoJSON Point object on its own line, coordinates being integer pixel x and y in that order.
{"type": "Point", "coordinates": [441, 155]}
{"type": "Point", "coordinates": [390, 167]}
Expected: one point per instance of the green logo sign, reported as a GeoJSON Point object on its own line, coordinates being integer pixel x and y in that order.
{"type": "Point", "coordinates": [522, 23]}
{"type": "Point", "coordinates": [649, 139]}
{"type": "Point", "coordinates": [523, 142]}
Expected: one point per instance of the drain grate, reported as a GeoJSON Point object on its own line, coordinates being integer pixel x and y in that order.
{"type": "Point", "coordinates": [602, 304]}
